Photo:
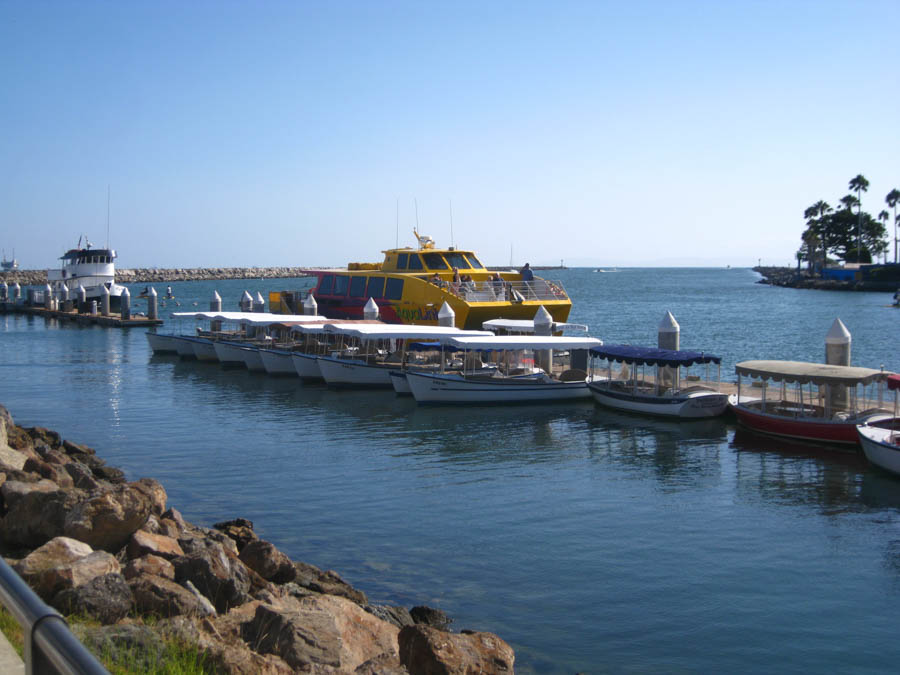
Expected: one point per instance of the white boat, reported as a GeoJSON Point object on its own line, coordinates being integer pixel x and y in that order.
{"type": "Point", "coordinates": [9, 265]}
{"type": "Point", "coordinates": [519, 378]}
{"type": "Point", "coordinates": [306, 366]}
{"type": "Point", "coordinates": [369, 352]}
{"type": "Point", "coordinates": [252, 359]}
{"type": "Point", "coordinates": [90, 268]}
{"type": "Point", "coordinates": [184, 346]}
{"type": "Point", "coordinates": [229, 353]}
{"type": "Point", "coordinates": [161, 343]}
{"type": "Point", "coordinates": [668, 391]}
{"type": "Point", "coordinates": [278, 362]}
{"type": "Point", "coordinates": [880, 440]}
{"type": "Point", "coordinates": [204, 349]}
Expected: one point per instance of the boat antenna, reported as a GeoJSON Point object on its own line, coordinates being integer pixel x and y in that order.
{"type": "Point", "coordinates": [451, 224]}
{"type": "Point", "coordinates": [107, 215]}
{"type": "Point", "coordinates": [397, 245]}
{"type": "Point", "coordinates": [416, 202]}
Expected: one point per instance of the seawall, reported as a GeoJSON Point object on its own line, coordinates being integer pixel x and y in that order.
{"type": "Point", "coordinates": [790, 277]}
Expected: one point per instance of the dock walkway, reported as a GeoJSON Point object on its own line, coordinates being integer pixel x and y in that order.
{"type": "Point", "coordinates": [111, 321]}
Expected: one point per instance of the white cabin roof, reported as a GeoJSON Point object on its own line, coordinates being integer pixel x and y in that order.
{"type": "Point", "coordinates": [512, 342]}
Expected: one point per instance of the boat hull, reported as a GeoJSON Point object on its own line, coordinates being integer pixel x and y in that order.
{"type": "Point", "coordinates": [277, 362]}
{"type": "Point", "coordinates": [162, 344]}
{"type": "Point", "coordinates": [438, 388]}
{"type": "Point", "coordinates": [204, 350]}
{"type": "Point", "coordinates": [184, 346]}
{"type": "Point", "coordinates": [398, 381]}
{"type": "Point", "coordinates": [253, 359]}
{"type": "Point", "coordinates": [840, 432]}
{"type": "Point", "coordinates": [230, 353]}
{"type": "Point", "coordinates": [881, 445]}
{"type": "Point", "coordinates": [691, 406]}
{"type": "Point", "coordinates": [349, 373]}
{"type": "Point", "coordinates": [306, 366]}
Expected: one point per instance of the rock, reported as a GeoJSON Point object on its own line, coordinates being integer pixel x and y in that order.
{"type": "Point", "coordinates": [163, 597]}
{"type": "Point", "coordinates": [383, 664]}
{"type": "Point", "coordinates": [108, 519]}
{"type": "Point", "coordinates": [41, 435]}
{"type": "Point", "coordinates": [143, 543]}
{"type": "Point", "coordinates": [398, 616]}
{"type": "Point", "coordinates": [207, 606]}
{"type": "Point", "coordinates": [155, 493]}
{"type": "Point", "coordinates": [431, 617]}
{"type": "Point", "coordinates": [53, 472]}
{"type": "Point", "coordinates": [217, 573]}
{"type": "Point", "coordinates": [175, 515]}
{"type": "Point", "coordinates": [110, 474]}
{"type": "Point", "coordinates": [330, 583]}
{"type": "Point", "coordinates": [35, 512]}
{"type": "Point", "coordinates": [51, 456]}
{"type": "Point", "coordinates": [197, 539]}
{"type": "Point", "coordinates": [427, 650]}
{"type": "Point", "coordinates": [319, 632]}
{"type": "Point", "coordinates": [82, 476]}
{"type": "Point", "coordinates": [19, 439]}
{"type": "Point", "coordinates": [10, 458]}
{"type": "Point", "coordinates": [73, 449]}
{"type": "Point", "coordinates": [149, 564]}
{"type": "Point", "coordinates": [169, 528]}
{"type": "Point", "coordinates": [6, 422]}
{"type": "Point", "coordinates": [106, 598]}
{"type": "Point", "coordinates": [75, 573]}
{"type": "Point", "coordinates": [267, 561]}
{"type": "Point", "coordinates": [239, 529]}
{"type": "Point", "coordinates": [57, 551]}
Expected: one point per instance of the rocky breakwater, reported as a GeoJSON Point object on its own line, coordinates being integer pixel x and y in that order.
{"type": "Point", "coordinates": [93, 544]}
{"type": "Point", "coordinates": [153, 275]}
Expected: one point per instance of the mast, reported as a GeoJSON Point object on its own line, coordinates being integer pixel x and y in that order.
{"type": "Point", "coordinates": [107, 215]}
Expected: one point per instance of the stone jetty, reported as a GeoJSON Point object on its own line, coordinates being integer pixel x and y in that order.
{"type": "Point", "coordinates": [153, 275]}
{"type": "Point", "coordinates": [93, 544]}
{"type": "Point", "coordinates": [790, 277]}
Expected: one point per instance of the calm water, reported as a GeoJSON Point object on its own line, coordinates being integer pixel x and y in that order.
{"type": "Point", "coordinates": [589, 540]}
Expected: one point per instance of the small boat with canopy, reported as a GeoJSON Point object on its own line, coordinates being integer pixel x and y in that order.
{"type": "Point", "coordinates": [880, 439]}
{"type": "Point", "coordinates": [809, 401]}
{"type": "Point", "coordinates": [669, 389]}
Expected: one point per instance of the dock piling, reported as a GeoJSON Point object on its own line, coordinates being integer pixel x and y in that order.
{"type": "Point", "coordinates": [446, 316]}
{"type": "Point", "coordinates": [310, 306]}
{"type": "Point", "coordinates": [104, 300]}
{"type": "Point", "coordinates": [126, 305]}
{"type": "Point", "coordinates": [215, 303]}
{"type": "Point", "coordinates": [152, 304]}
{"type": "Point", "coordinates": [837, 353]}
{"type": "Point", "coordinates": [371, 311]}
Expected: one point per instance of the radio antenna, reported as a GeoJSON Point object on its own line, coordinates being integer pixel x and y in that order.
{"type": "Point", "coordinates": [107, 215]}
{"type": "Point", "coordinates": [397, 245]}
{"type": "Point", "coordinates": [416, 202]}
{"type": "Point", "coordinates": [451, 224]}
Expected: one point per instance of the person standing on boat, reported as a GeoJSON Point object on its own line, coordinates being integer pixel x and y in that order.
{"type": "Point", "coordinates": [527, 274]}
{"type": "Point", "coordinates": [454, 285]}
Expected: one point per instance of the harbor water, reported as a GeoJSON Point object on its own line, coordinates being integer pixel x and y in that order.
{"type": "Point", "coordinates": [590, 540]}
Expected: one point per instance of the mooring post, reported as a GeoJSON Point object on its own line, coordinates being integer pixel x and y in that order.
{"type": "Point", "coordinates": [152, 304]}
{"type": "Point", "coordinates": [446, 316]}
{"type": "Point", "coordinates": [246, 303]}
{"type": "Point", "coordinates": [371, 311]}
{"type": "Point", "coordinates": [126, 304]}
{"type": "Point", "coordinates": [259, 305]}
{"type": "Point", "coordinates": [104, 300]}
{"type": "Point", "coordinates": [82, 299]}
{"type": "Point", "coordinates": [215, 304]}
{"type": "Point", "coordinates": [543, 326]}
{"type": "Point", "coordinates": [310, 306]}
{"type": "Point", "coordinates": [48, 297]}
{"type": "Point", "coordinates": [837, 353]}
{"type": "Point", "coordinates": [668, 337]}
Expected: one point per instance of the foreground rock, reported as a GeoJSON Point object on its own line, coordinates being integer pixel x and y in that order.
{"type": "Point", "coordinates": [94, 545]}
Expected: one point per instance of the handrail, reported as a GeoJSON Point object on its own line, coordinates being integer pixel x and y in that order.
{"type": "Point", "coordinates": [50, 646]}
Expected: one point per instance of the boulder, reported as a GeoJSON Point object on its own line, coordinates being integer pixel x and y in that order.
{"type": "Point", "coordinates": [399, 616]}
{"type": "Point", "coordinates": [57, 551]}
{"type": "Point", "coordinates": [54, 472]}
{"type": "Point", "coordinates": [239, 529]}
{"type": "Point", "coordinates": [45, 436]}
{"type": "Point", "coordinates": [75, 573]}
{"type": "Point", "coordinates": [267, 561]}
{"type": "Point", "coordinates": [430, 617]}
{"type": "Point", "coordinates": [6, 422]}
{"type": "Point", "coordinates": [217, 573]}
{"type": "Point", "coordinates": [144, 543]}
{"type": "Point", "coordinates": [110, 474]}
{"type": "Point", "coordinates": [18, 439]}
{"type": "Point", "coordinates": [208, 608]}
{"type": "Point", "coordinates": [155, 493]}
{"type": "Point", "coordinates": [429, 651]}
{"type": "Point", "coordinates": [330, 583]}
{"type": "Point", "coordinates": [383, 664]}
{"type": "Point", "coordinates": [10, 458]}
{"type": "Point", "coordinates": [108, 519]}
{"type": "Point", "coordinates": [319, 632]}
{"type": "Point", "coordinates": [82, 476]}
{"type": "Point", "coordinates": [106, 598]}
{"type": "Point", "coordinates": [169, 528]}
{"type": "Point", "coordinates": [52, 456]}
{"type": "Point", "coordinates": [175, 515]}
{"type": "Point", "coordinates": [149, 564]}
{"type": "Point", "coordinates": [35, 512]}
{"type": "Point", "coordinates": [163, 597]}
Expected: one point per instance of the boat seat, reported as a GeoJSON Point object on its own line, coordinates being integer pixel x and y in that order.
{"type": "Point", "coordinates": [573, 375]}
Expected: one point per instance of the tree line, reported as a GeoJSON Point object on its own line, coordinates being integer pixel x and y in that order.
{"type": "Point", "coordinates": [848, 235]}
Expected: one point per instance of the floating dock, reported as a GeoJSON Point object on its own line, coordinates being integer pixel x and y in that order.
{"type": "Point", "coordinates": [111, 320]}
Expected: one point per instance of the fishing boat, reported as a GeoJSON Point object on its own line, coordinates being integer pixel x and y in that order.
{"type": "Point", "coordinates": [811, 401]}
{"type": "Point", "coordinates": [9, 265]}
{"type": "Point", "coordinates": [880, 439]}
{"type": "Point", "coordinates": [669, 390]}
{"type": "Point", "coordinates": [370, 353]}
{"type": "Point", "coordinates": [411, 285]}
{"type": "Point", "coordinates": [525, 372]}
{"type": "Point", "coordinates": [92, 269]}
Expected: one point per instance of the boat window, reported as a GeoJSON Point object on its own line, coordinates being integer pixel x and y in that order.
{"type": "Point", "coordinates": [415, 263]}
{"type": "Point", "coordinates": [435, 261]}
{"type": "Point", "coordinates": [357, 287]}
{"type": "Point", "coordinates": [457, 260]}
{"type": "Point", "coordinates": [475, 261]}
{"type": "Point", "coordinates": [376, 287]}
{"type": "Point", "coordinates": [393, 289]}
{"type": "Point", "coordinates": [326, 285]}
{"type": "Point", "coordinates": [401, 261]}
{"type": "Point", "coordinates": [340, 285]}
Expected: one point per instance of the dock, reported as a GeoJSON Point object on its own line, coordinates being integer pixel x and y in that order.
{"type": "Point", "coordinates": [110, 321]}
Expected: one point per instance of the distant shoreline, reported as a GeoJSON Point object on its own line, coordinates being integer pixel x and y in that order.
{"type": "Point", "coordinates": [789, 277]}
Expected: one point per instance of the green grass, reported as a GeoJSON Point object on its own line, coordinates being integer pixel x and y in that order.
{"type": "Point", "coordinates": [175, 658]}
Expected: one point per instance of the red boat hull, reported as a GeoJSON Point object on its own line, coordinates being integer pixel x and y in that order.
{"type": "Point", "coordinates": [824, 431]}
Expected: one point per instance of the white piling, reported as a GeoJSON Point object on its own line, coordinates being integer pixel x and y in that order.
{"type": "Point", "coordinates": [17, 291]}
{"type": "Point", "coordinates": [126, 304]}
{"type": "Point", "coordinates": [104, 300]}
{"type": "Point", "coordinates": [446, 316]}
{"type": "Point", "coordinates": [82, 299]}
{"type": "Point", "coordinates": [93, 308]}
{"type": "Point", "coordinates": [310, 306]}
{"type": "Point", "coordinates": [259, 305]}
{"type": "Point", "coordinates": [246, 303]}
{"type": "Point", "coordinates": [215, 304]}
{"type": "Point", "coordinates": [837, 353]}
{"type": "Point", "coordinates": [48, 297]}
{"type": "Point", "coordinates": [370, 311]}
{"type": "Point", "coordinates": [668, 337]}
{"type": "Point", "coordinates": [152, 304]}
{"type": "Point", "coordinates": [543, 325]}
{"type": "Point", "coordinates": [4, 291]}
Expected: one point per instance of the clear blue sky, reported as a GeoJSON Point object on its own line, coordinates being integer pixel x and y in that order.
{"type": "Point", "coordinates": [284, 133]}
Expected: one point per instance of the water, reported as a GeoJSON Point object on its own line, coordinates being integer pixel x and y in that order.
{"type": "Point", "coordinates": [589, 540]}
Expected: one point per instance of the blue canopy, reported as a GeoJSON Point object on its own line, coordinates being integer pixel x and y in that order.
{"type": "Point", "coordinates": [650, 356]}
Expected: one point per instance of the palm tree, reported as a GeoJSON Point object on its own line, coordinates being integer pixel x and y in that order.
{"type": "Point", "coordinates": [892, 199]}
{"type": "Point", "coordinates": [884, 217]}
{"type": "Point", "coordinates": [860, 185]}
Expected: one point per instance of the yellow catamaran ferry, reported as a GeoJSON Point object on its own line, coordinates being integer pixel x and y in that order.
{"type": "Point", "coordinates": [412, 284]}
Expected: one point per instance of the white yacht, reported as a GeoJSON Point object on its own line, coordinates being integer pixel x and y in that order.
{"type": "Point", "coordinates": [90, 268]}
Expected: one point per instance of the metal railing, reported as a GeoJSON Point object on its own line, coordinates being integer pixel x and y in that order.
{"type": "Point", "coordinates": [50, 646]}
{"type": "Point", "coordinates": [509, 291]}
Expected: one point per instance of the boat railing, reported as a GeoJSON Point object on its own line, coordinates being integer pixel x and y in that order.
{"type": "Point", "coordinates": [509, 291]}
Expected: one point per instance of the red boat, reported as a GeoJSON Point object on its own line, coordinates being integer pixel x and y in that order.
{"type": "Point", "coordinates": [811, 401]}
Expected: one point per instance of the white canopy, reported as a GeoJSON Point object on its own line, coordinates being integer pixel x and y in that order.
{"type": "Point", "coordinates": [527, 325]}
{"type": "Point", "coordinates": [501, 342]}
{"type": "Point", "coordinates": [254, 318]}
{"type": "Point", "coordinates": [816, 373]}
{"type": "Point", "coordinates": [404, 332]}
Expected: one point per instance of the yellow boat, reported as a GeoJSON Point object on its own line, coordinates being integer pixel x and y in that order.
{"type": "Point", "coordinates": [412, 284]}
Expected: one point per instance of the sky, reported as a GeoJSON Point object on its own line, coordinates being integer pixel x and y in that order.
{"type": "Point", "coordinates": [240, 134]}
